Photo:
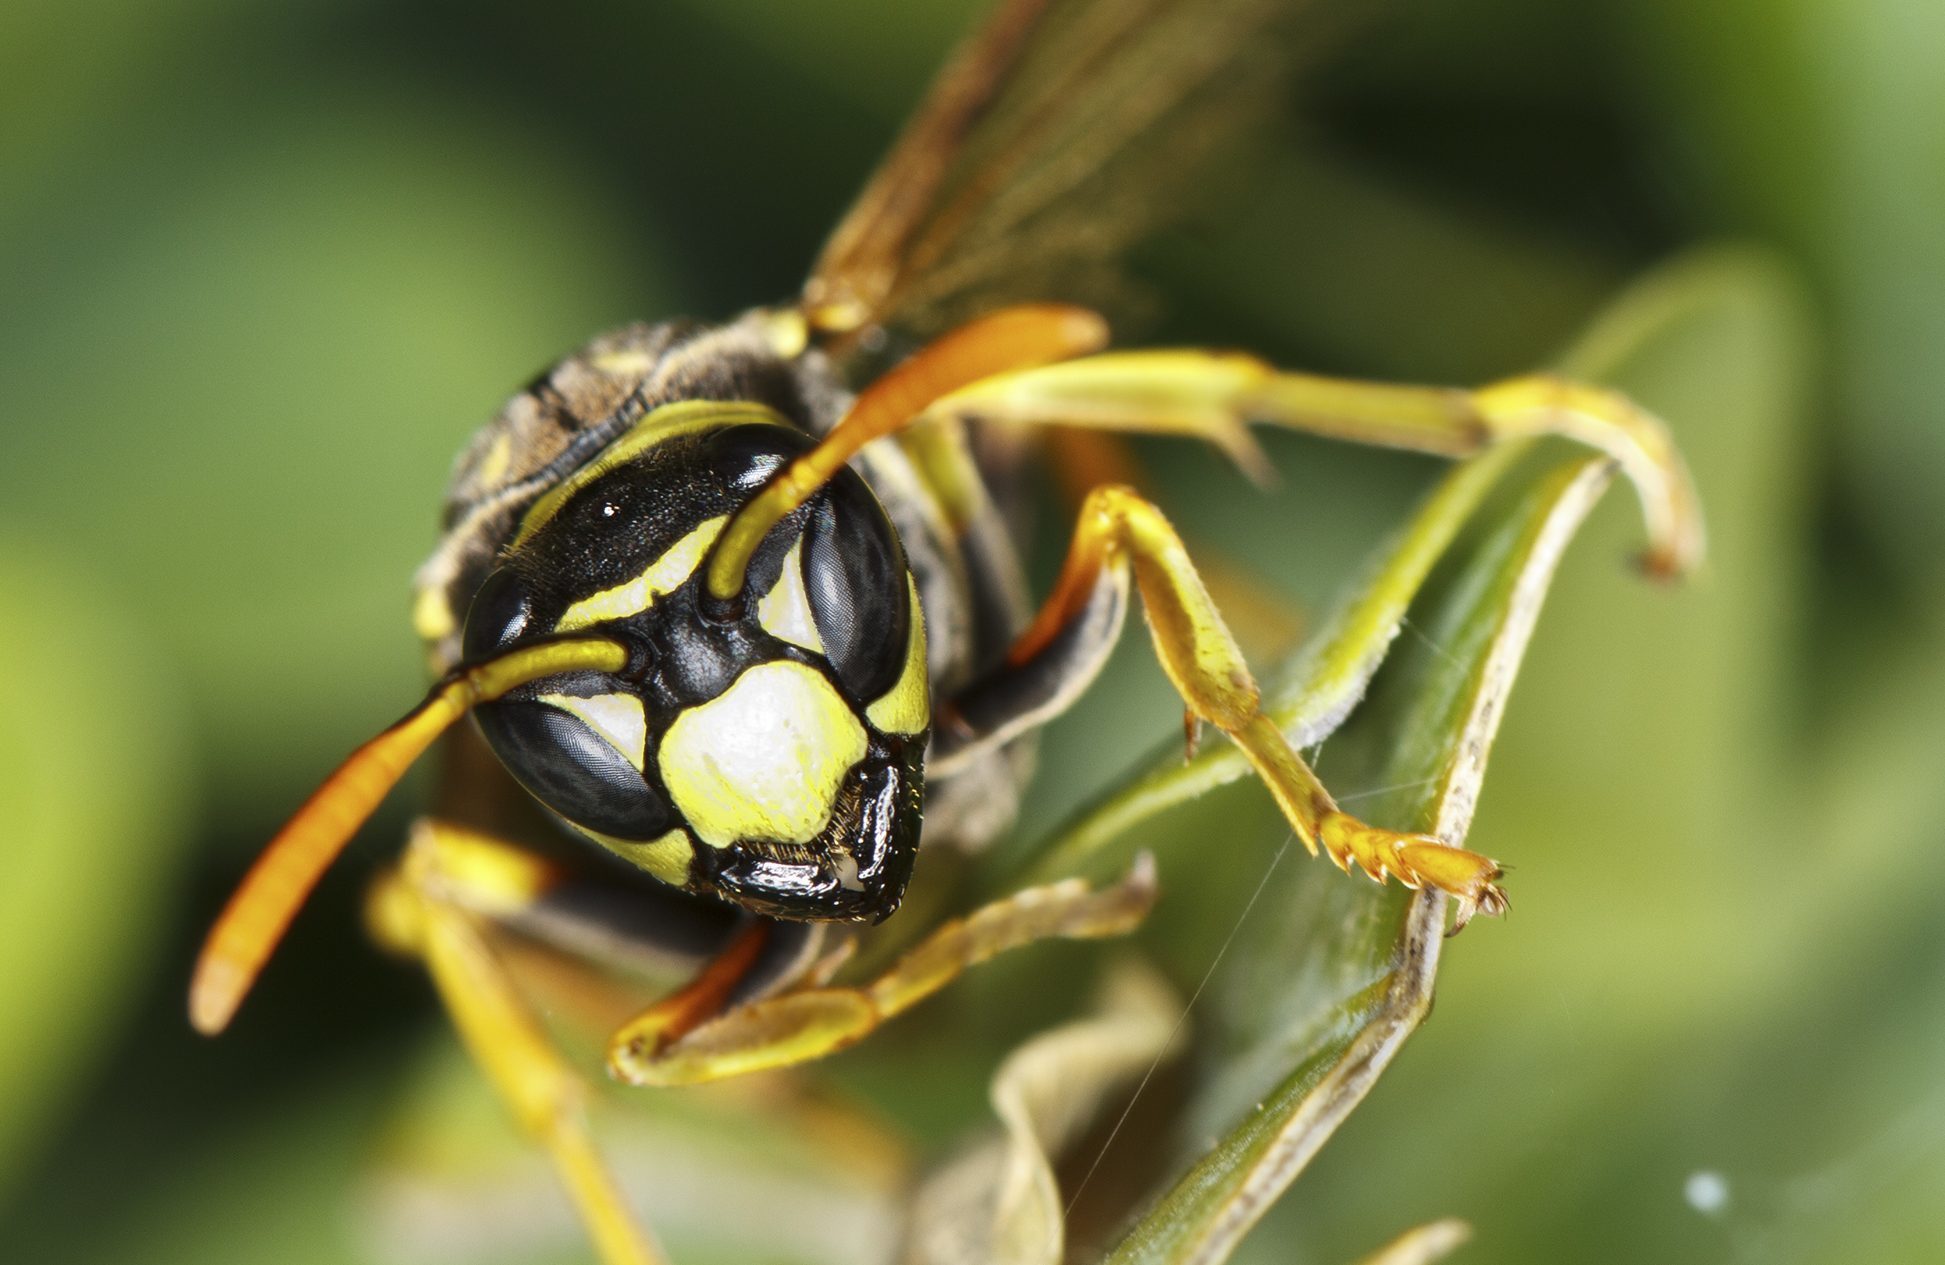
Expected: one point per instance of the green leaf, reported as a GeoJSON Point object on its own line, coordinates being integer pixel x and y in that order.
{"type": "Point", "coordinates": [1315, 997]}
{"type": "Point", "coordinates": [1422, 1244]}
{"type": "Point", "coordinates": [91, 774]}
{"type": "Point", "coordinates": [1438, 727]}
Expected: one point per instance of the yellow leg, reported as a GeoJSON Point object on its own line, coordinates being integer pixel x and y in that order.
{"type": "Point", "coordinates": [812, 1022]}
{"type": "Point", "coordinates": [506, 1041]}
{"type": "Point", "coordinates": [1120, 533]}
{"type": "Point", "coordinates": [1214, 395]}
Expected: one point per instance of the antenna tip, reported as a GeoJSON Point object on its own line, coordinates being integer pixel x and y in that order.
{"type": "Point", "coordinates": [214, 994]}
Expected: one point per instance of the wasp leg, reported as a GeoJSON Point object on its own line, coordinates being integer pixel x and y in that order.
{"type": "Point", "coordinates": [1082, 460]}
{"type": "Point", "coordinates": [1122, 537]}
{"type": "Point", "coordinates": [705, 996]}
{"type": "Point", "coordinates": [500, 1031]}
{"type": "Point", "coordinates": [1214, 395]}
{"type": "Point", "coordinates": [809, 1023]}
{"type": "Point", "coordinates": [1267, 623]}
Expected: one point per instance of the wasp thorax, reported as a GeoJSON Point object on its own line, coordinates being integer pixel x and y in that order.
{"type": "Point", "coordinates": [768, 749]}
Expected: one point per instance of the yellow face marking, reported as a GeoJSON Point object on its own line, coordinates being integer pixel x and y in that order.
{"type": "Point", "coordinates": [666, 857]}
{"type": "Point", "coordinates": [764, 759]}
{"type": "Point", "coordinates": [784, 611]}
{"type": "Point", "coordinates": [660, 578]}
{"type": "Point", "coordinates": [685, 417]}
{"type": "Point", "coordinates": [618, 718]}
{"type": "Point", "coordinates": [432, 614]}
{"type": "Point", "coordinates": [906, 708]}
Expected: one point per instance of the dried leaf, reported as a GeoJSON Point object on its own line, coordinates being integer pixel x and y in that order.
{"type": "Point", "coordinates": [999, 1202]}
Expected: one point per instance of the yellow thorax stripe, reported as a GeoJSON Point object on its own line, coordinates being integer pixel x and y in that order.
{"type": "Point", "coordinates": [498, 460]}
{"type": "Point", "coordinates": [660, 578]}
{"type": "Point", "coordinates": [432, 613]}
{"type": "Point", "coordinates": [684, 417]}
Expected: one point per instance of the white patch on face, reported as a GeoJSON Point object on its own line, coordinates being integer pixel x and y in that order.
{"type": "Point", "coordinates": [763, 760]}
{"type": "Point", "coordinates": [784, 611]}
{"type": "Point", "coordinates": [617, 718]}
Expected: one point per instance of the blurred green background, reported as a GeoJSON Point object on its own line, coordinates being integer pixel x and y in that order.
{"type": "Point", "coordinates": [264, 268]}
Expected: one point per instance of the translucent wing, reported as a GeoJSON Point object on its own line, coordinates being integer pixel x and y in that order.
{"type": "Point", "coordinates": [1050, 142]}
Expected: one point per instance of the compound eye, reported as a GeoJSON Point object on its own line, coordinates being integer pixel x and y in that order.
{"type": "Point", "coordinates": [583, 758]}
{"type": "Point", "coordinates": [501, 611]}
{"type": "Point", "coordinates": [855, 579]}
{"type": "Point", "coordinates": [578, 743]}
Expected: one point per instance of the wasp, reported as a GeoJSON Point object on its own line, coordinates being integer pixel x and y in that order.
{"type": "Point", "coordinates": [740, 607]}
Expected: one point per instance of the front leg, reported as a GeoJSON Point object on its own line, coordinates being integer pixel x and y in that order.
{"type": "Point", "coordinates": [664, 1046]}
{"type": "Point", "coordinates": [412, 913]}
{"type": "Point", "coordinates": [1120, 538]}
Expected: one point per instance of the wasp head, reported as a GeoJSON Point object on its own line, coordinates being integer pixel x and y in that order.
{"type": "Point", "coordinates": [767, 748]}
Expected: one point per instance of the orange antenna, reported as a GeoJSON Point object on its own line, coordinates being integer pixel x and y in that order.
{"type": "Point", "coordinates": [260, 911]}
{"type": "Point", "coordinates": [1011, 338]}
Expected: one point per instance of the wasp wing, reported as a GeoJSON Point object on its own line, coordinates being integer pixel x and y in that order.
{"type": "Point", "coordinates": [1057, 135]}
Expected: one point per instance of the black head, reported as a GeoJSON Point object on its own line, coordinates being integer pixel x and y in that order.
{"type": "Point", "coordinates": [767, 748]}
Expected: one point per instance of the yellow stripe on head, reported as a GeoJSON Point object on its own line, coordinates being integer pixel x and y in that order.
{"type": "Point", "coordinates": [660, 578]}
{"type": "Point", "coordinates": [906, 708]}
{"type": "Point", "coordinates": [666, 857]}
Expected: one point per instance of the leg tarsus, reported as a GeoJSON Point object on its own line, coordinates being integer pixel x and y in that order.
{"type": "Point", "coordinates": [1606, 419]}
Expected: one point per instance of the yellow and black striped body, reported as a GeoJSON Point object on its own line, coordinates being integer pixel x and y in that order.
{"type": "Point", "coordinates": [769, 750]}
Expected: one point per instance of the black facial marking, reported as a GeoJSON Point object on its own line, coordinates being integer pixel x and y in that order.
{"type": "Point", "coordinates": [702, 657]}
